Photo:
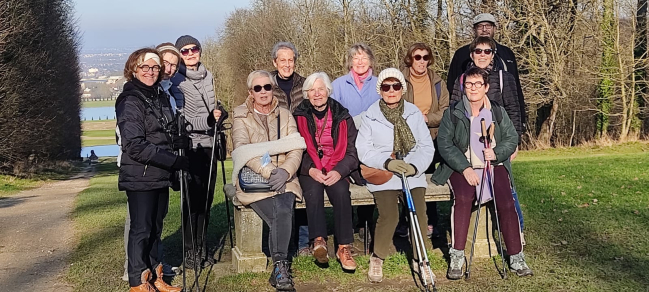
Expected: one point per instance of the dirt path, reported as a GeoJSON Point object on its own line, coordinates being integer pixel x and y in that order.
{"type": "Point", "coordinates": [37, 235]}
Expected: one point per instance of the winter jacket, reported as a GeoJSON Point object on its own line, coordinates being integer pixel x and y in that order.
{"type": "Point", "coordinates": [341, 120]}
{"type": "Point", "coordinates": [247, 128]}
{"type": "Point", "coordinates": [195, 98]}
{"type": "Point", "coordinates": [439, 104]}
{"type": "Point", "coordinates": [296, 92]}
{"type": "Point", "coordinates": [505, 59]}
{"type": "Point", "coordinates": [453, 142]}
{"type": "Point", "coordinates": [505, 97]}
{"type": "Point", "coordinates": [147, 157]}
{"type": "Point", "coordinates": [356, 101]}
{"type": "Point", "coordinates": [375, 143]}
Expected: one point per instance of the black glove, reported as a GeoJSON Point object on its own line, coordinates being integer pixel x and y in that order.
{"type": "Point", "coordinates": [211, 121]}
{"type": "Point", "coordinates": [180, 142]}
{"type": "Point", "coordinates": [278, 179]}
{"type": "Point", "coordinates": [181, 163]}
{"type": "Point", "coordinates": [224, 115]}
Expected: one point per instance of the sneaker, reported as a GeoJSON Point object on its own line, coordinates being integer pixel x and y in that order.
{"type": "Point", "coordinates": [523, 238]}
{"type": "Point", "coordinates": [402, 229]}
{"type": "Point", "coordinates": [192, 260]}
{"type": "Point", "coordinates": [517, 264]}
{"type": "Point", "coordinates": [320, 250]}
{"type": "Point", "coordinates": [168, 270]}
{"type": "Point", "coordinates": [305, 251]}
{"type": "Point", "coordinates": [375, 270]}
{"type": "Point", "coordinates": [415, 268]}
{"type": "Point", "coordinates": [125, 276]}
{"type": "Point", "coordinates": [344, 255]}
{"type": "Point", "coordinates": [455, 266]}
{"type": "Point", "coordinates": [281, 278]}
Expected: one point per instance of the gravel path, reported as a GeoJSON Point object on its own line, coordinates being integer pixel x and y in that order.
{"type": "Point", "coordinates": [37, 235]}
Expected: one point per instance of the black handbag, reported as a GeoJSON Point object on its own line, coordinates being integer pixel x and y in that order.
{"type": "Point", "coordinates": [252, 182]}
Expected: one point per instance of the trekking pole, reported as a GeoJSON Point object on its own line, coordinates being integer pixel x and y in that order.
{"type": "Point", "coordinates": [491, 188]}
{"type": "Point", "coordinates": [477, 214]}
{"type": "Point", "coordinates": [419, 244]}
{"type": "Point", "coordinates": [227, 203]}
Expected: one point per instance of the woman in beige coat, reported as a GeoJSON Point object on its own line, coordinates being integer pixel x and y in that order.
{"type": "Point", "coordinates": [266, 140]}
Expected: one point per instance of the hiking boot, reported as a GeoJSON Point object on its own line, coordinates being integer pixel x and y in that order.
{"type": "Point", "coordinates": [320, 250]}
{"type": "Point", "coordinates": [375, 270]}
{"type": "Point", "coordinates": [160, 284]}
{"type": "Point", "coordinates": [145, 286]}
{"type": "Point", "coordinates": [305, 251]}
{"type": "Point", "coordinates": [281, 278]}
{"type": "Point", "coordinates": [415, 268]}
{"type": "Point", "coordinates": [168, 270]}
{"type": "Point", "coordinates": [192, 260]}
{"type": "Point", "coordinates": [455, 266]}
{"type": "Point", "coordinates": [402, 229]}
{"type": "Point", "coordinates": [517, 264]}
{"type": "Point", "coordinates": [344, 255]}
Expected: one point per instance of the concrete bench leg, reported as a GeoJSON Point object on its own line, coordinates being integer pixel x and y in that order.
{"type": "Point", "coordinates": [247, 255]}
{"type": "Point", "coordinates": [484, 234]}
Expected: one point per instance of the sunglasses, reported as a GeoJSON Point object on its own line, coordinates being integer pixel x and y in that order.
{"type": "Point", "coordinates": [257, 88]}
{"type": "Point", "coordinates": [486, 51]}
{"type": "Point", "coordinates": [386, 87]}
{"type": "Point", "coordinates": [419, 57]}
{"type": "Point", "coordinates": [193, 49]}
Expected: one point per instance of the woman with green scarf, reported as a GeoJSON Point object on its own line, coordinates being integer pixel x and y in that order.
{"type": "Point", "coordinates": [391, 128]}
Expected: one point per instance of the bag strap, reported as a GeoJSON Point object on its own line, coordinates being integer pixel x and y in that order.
{"type": "Point", "coordinates": [500, 72]}
{"type": "Point", "coordinates": [161, 119]}
{"type": "Point", "coordinates": [438, 89]}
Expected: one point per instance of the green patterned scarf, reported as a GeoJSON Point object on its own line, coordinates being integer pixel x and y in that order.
{"type": "Point", "coordinates": [404, 141]}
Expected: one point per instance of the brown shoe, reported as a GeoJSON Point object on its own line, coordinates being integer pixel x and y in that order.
{"type": "Point", "coordinates": [160, 284]}
{"type": "Point", "coordinates": [320, 250]}
{"type": "Point", "coordinates": [344, 255]}
{"type": "Point", "coordinates": [145, 286]}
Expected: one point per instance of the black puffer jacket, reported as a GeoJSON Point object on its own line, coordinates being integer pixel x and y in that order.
{"type": "Point", "coordinates": [147, 155]}
{"type": "Point", "coordinates": [507, 99]}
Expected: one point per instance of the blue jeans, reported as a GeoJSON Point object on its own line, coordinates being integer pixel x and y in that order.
{"type": "Point", "coordinates": [303, 237]}
{"type": "Point", "coordinates": [518, 209]}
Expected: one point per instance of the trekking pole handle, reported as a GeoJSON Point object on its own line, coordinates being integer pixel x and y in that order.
{"type": "Point", "coordinates": [483, 126]}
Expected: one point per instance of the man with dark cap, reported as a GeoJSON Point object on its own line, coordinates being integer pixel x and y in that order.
{"type": "Point", "coordinates": [484, 25]}
{"type": "Point", "coordinates": [193, 89]}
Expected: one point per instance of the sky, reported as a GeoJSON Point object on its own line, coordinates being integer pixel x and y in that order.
{"type": "Point", "coordinates": [139, 23]}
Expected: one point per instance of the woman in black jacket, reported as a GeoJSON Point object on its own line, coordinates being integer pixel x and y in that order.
{"type": "Point", "coordinates": [143, 117]}
{"type": "Point", "coordinates": [330, 157]}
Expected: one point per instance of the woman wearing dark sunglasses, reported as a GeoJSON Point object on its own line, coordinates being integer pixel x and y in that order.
{"type": "Point", "coordinates": [146, 163]}
{"type": "Point", "coordinates": [330, 158]}
{"type": "Point", "coordinates": [266, 140]}
{"type": "Point", "coordinates": [193, 89]}
{"type": "Point", "coordinates": [393, 128]}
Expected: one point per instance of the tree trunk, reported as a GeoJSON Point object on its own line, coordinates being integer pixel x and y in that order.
{"type": "Point", "coordinates": [640, 59]}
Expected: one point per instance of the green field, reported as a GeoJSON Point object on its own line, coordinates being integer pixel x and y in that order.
{"type": "Point", "coordinates": [101, 103]}
{"type": "Point", "coordinates": [12, 184]}
{"type": "Point", "coordinates": [97, 137]}
{"type": "Point", "coordinates": [586, 213]}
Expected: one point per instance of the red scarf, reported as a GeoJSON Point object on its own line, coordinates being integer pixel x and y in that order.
{"type": "Point", "coordinates": [339, 149]}
{"type": "Point", "coordinates": [360, 79]}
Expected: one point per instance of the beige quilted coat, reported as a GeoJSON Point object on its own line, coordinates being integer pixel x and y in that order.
{"type": "Point", "coordinates": [247, 128]}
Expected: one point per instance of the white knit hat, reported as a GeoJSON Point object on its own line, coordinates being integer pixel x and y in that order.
{"type": "Point", "coordinates": [391, 73]}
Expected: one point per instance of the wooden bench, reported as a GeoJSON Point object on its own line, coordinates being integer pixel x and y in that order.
{"type": "Point", "coordinates": [247, 255]}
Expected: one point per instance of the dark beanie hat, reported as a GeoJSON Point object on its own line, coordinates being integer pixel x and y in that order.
{"type": "Point", "coordinates": [187, 40]}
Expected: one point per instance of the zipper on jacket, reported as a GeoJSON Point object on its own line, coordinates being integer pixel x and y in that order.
{"type": "Point", "coordinates": [145, 167]}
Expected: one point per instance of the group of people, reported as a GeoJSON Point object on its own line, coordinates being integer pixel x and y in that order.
{"type": "Point", "coordinates": [303, 136]}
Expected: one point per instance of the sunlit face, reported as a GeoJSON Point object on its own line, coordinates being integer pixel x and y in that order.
{"type": "Point", "coordinates": [475, 88]}
{"type": "Point", "coordinates": [485, 28]}
{"type": "Point", "coordinates": [361, 62]}
{"type": "Point", "coordinates": [392, 96]}
{"type": "Point", "coordinates": [192, 58]}
{"type": "Point", "coordinates": [285, 62]}
{"type": "Point", "coordinates": [483, 59]}
{"type": "Point", "coordinates": [170, 61]}
{"type": "Point", "coordinates": [263, 97]}
{"type": "Point", "coordinates": [148, 77]}
{"type": "Point", "coordinates": [318, 94]}
{"type": "Point", "coordinates": [420, 66]}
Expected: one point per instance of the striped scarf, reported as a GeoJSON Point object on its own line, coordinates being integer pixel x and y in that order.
{"type": "Point", "coordinates": [404, 141]}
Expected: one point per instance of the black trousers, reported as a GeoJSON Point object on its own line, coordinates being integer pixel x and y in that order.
{"type": "Point", "coordinates": [147, 211]}
{"type": "Point", "coordinates": [340, 199]}
{"type": "Point", "coordinates": [197, 216]}
{"type": "Point", "coordinates": [277, 212]}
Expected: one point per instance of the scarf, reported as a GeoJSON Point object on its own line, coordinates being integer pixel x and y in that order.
{"type": "Point", "coordinates": [488, 69]}
{"type": "Point", "coordinates": [404, 141]}
{"type": "Point", "coordinates": [360, 79]}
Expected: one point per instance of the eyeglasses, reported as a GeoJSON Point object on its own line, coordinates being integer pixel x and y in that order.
{"type": "Point", "coordinates": [486, 51]}
{"type": "Point", "coordinates": [257, 88]}
{"type": "Point", "coordinates": [486, 26]}
{"type": "Point", "coordinates": [172, 66]}
{"type": "Point", "coordinates": [193, 49]}
{"type": "Point", "coordinates": [386, 87]}
{"type": "Point", "coordinates": [419, 57]}
{"type": "Point", "coordinates": [360, 59]}
{"type": "Point", "coordinates": [146, 68]}
{"type": "Point", "coordinates": [473, 84]}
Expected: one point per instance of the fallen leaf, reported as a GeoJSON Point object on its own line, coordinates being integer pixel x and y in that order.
{"type": "Point", "coordinates": [636, 212]}
{"type": "Point", "coordinates": [564, 211]}
{"type": "Point", "coordinates": [563, 193]}
{"type": "Point", "coordinates": [619, 258]}
{"type": "Point", "coordinates": [579, 187]}
{"type": "Point", "coordinates": [563, 175]}
{"type": "Point", "coordinates": [590, 195]}
{"type": "Point", "coordinates": [542, 201]}
{"type": "Point", "coordinates": [584, 205]}
{"type": "Point", "coordinates": [560, 219]}
{"type": "Point", "coordinates": [595, 201]}
{"type": "Point", "coordinates": [622, 187]}
{"type": "Point", "coordinates": [564, 242]}
{"type": "Point", "coordinates": [635, 178]}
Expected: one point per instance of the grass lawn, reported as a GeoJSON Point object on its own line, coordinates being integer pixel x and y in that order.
{"type": "Point", "coordinates": [586, 215]}
{"type": "Point", "coordinates": [100, 103]}
{"type": "Point", "coordinates": [97, 137]}
{"type": "Point", "coordinates": [10, 184]}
